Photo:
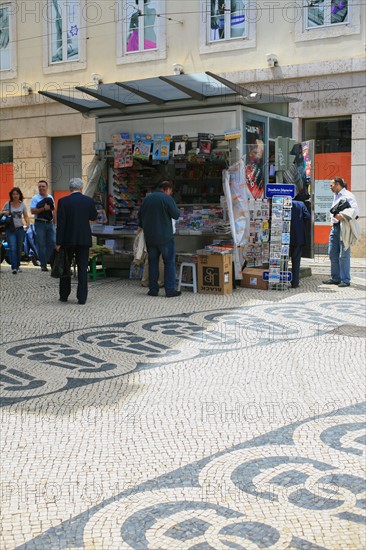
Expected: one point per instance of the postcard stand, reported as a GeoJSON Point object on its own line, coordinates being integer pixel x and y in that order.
{"type": "Point", "coordinates": [279, 275]}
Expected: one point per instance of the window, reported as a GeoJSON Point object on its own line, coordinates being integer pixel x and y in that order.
{"type": "Point", "coordinates": [7, 40]}
{"type": "Point", "coordinates": [64, 21]}
{"type": "Point", "coordinates": [227, 20]}
{"type": "Point", "coordinates": [321, 13]}
{"type": "Point", "coordinates": [141, 34]}
{"type": "Point", "coordinates": [6, 152]}
{"type": "Point", "coordinates": [331, 135]}
{"type": "Point", "coordinates": [328, 19]}
{"type": "Point", "coordinates": [226, 25]}
{"type": "Point", "coordinates": [141, 31]}
{"type": "Point", "coordinates": [4, 38]}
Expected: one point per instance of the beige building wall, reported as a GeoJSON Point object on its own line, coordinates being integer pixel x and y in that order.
{"type": "Point", "coordinates": [31, 125]}
{"type": "Point", "coordinates": [276, 28]}
{"type": "Point", "coordinates": [327, 73]}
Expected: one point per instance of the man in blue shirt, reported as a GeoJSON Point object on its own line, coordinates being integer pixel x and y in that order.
{"type": "Point", "coordinates": [340, 259]}
{"type": "Point", "coordinates": [155, 217]}
{"type": "Point", "coordinates": [42, 206]}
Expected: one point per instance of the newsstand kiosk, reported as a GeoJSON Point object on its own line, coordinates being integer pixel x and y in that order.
{"type": "Point", "coordinates": [187, 128]}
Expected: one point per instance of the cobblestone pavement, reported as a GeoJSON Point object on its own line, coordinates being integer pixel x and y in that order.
{"type": "Point", "coordinates": [201, 422]}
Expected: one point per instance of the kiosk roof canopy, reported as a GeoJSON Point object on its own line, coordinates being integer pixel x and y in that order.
{"type": "Point", "coordinates": [159, 93]}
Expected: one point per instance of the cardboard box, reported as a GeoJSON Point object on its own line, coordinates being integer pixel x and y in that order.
{"type": "Point", "coordinates": [215, 274]}
{"type": "Point", "coordinates": [253, 278]}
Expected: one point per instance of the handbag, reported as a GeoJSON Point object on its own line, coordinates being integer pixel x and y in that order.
{"type": "Point", "coordinates": [8, 221]}
{"type": "Point", "coordinates": [60, 266]}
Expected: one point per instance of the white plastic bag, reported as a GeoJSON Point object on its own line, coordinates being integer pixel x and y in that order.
{"type": "Point", "coordinates": [139, 248]}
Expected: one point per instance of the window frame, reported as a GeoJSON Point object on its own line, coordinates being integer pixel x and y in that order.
{"type": "Point", "coordinates": [352, 26]}
{"type": "Point", "coordinates": [50, 67]}
{"type": "Point", "coordinates": [227, 25]}
{"type": "Point", "coordinates": [327, 15]}
{"type": "Point", "coordinates": [11, 71]}
{"type": "Point", "coordinates": [226, 44]}
{"type": "Point", "coordinates": [125, 57]}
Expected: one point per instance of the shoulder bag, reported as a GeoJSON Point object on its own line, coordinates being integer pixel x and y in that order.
{"type": "Point", "coordinates": [8, 220]}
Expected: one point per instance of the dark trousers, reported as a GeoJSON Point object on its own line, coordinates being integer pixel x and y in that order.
{"type": "Point", "coordinates": [82, 260]}
{"type": "Point", "coordinates": [295, 253]}
{"type": "Point", "coordinates": [167, 251]}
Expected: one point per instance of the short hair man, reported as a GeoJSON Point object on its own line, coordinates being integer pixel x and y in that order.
{"type": "Point", "coordinates": [340, 258]}
{"type": "Point", "coordinates": [156, 213]}
{"type": "Point", "coordinates": [42, 206]}
{"type": "Point", "coordinates": [74, 234]}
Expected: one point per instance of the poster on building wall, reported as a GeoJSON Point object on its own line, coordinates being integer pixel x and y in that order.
{"type": "Point", "coordinates": [327, 166]}
{"type": "Point", "coordinates": [254, 162]}
{"type": "Point", "coordinates": [323, 200]}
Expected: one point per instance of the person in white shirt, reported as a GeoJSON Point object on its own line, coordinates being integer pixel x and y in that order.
{"type": "Point", "coordinates": [340, 258]}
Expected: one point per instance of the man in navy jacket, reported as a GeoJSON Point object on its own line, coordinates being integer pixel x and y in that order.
{"type": "Point", "coordinates": [155, 217]}
{"type": "Point", "coordinates": [299, 216]}
{"type": "Point", "coordinates": [74, 234]}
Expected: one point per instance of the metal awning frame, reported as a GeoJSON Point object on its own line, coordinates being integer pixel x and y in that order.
{"type": "Point", "coordinates": [133, 97]}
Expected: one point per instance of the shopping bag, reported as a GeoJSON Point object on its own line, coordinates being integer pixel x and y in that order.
{"type": "Point", "coordinates": [60, 266]}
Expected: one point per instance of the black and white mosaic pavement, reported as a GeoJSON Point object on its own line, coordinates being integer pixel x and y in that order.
{"type": "Point", "coordinates": [201, 423]}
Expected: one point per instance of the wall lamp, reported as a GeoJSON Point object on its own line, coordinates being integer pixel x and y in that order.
{"type": "Point", "coordinates": [177, 68]}
{"type": "Point", "coordinates": [26, 89]}
{"type": "Point", "coordinates": [272, 60]}
{"type": "Point", "coordinates": [97, 79]}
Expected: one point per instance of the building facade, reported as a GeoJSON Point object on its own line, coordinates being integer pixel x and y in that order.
{"type": "Point", "coordinates": [309, 49]}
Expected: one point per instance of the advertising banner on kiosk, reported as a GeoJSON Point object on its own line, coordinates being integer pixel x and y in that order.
{"type": "Point", "coordinates": [237, 198]}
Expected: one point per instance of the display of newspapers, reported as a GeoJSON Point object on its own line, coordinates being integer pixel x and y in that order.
{"type": "Point", "coordinates": [279, 276]}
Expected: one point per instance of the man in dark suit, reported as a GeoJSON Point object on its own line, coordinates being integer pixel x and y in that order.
{"type": "Point", "coordinates": [74, 234]}
{"type": "Point", "coordinates": [299, 216]}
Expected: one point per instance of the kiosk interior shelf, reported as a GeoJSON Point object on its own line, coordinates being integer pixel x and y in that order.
{"type": "Point", "coordinates": [201, 182]}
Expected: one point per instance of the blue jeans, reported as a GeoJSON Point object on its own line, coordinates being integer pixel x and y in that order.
{"type": "Point", "coordinates": [15, 240]}
{"type": "Point", "coordinates": [45, 239]}
{"type": "Point", "coordinates": [340, 259]}
{"type": "Point", "coordinates": [168, 253]}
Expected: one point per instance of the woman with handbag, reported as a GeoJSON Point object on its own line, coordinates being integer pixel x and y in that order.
{"type": "Point", "coordinates": [14, 210]}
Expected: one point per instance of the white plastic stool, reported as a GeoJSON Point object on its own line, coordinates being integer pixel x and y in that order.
{"type": "Point", "coordinates": [193, 284]}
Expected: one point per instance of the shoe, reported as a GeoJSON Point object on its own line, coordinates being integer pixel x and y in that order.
{"type": "Point", "coordinates": [294, 286]}
{"type": "Point", "coordinates": [330, 282]}
{"type": "Point", "coordinates": [173, 294]}
{"type": "Point", "coordinates": [19, 270]}
{"type": "Point", "coordinates": [81, 303]}
{"type": "Point", "coordinates": [44, 268]}
{"type": "Point", "coordinates": [343, 285]}
{"type": "Point", "coordinates": [14, 271]}
{"type": "Point", "coordinates": [151, 293]}
{"type": "Point", "coordinates": [63, 299]}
